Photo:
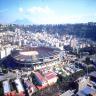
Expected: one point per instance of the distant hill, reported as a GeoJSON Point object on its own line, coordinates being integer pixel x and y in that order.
{"type": "Point", "coordinates": [22, 22]}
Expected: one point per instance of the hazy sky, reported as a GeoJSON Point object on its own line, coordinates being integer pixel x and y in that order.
{"type": "Point", "coordinates": [48, 11]}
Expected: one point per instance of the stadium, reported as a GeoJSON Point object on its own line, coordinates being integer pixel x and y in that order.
{"type": "Point", "coordinates": [35, 57]}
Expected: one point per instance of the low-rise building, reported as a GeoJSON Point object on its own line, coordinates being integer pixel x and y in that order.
{"type": "Point", "coordinates": [51, 77]}
{"type": "Point", "coordinates": [30, 87]}
{"type": "Point", "coordinates": [39, 81]}
{"type": "Point", "coordinates": [87, 91]}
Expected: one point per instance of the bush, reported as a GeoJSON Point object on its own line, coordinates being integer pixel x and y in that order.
{"type": "Point", "coordinates": [5, 71]}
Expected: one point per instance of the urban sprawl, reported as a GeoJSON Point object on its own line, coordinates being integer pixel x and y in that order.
{"type": "Point", "coordinates": [69, 71]}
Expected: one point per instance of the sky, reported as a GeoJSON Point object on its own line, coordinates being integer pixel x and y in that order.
{"type": "Point", "coordinates": [48, 11]}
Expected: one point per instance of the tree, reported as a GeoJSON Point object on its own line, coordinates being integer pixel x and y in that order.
{"type": "Point", "coordinates": [87, 61]}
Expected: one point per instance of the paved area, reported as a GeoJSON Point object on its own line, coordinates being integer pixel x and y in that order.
{"type": "Point", "coordinates": [7, 76]}
{"type": "Point", "coordinates": [67, 93]}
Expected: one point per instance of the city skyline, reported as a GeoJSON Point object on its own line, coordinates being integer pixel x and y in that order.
{"type": "Point", "coordinates": [48, 11]}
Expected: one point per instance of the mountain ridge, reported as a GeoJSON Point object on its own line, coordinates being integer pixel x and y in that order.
{"type": "Point", "coordinates": [22, 22]}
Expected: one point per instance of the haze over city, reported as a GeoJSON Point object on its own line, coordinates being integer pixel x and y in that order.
{"type": "Point", "coordinates": [47, 11]}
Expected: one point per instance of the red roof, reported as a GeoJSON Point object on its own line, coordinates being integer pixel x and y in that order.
{"type": "Point", "coordinates": [21, 94]}
{"type": "Point", "coordinates": [50, 75]}
{"type": "Point", "coordinates": [40, 77]}
{"type": "Point", "coordinates": [41, 87]}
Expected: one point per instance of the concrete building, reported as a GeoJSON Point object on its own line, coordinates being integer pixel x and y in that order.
{"type": "Point", "coordinates": [2, 53]}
